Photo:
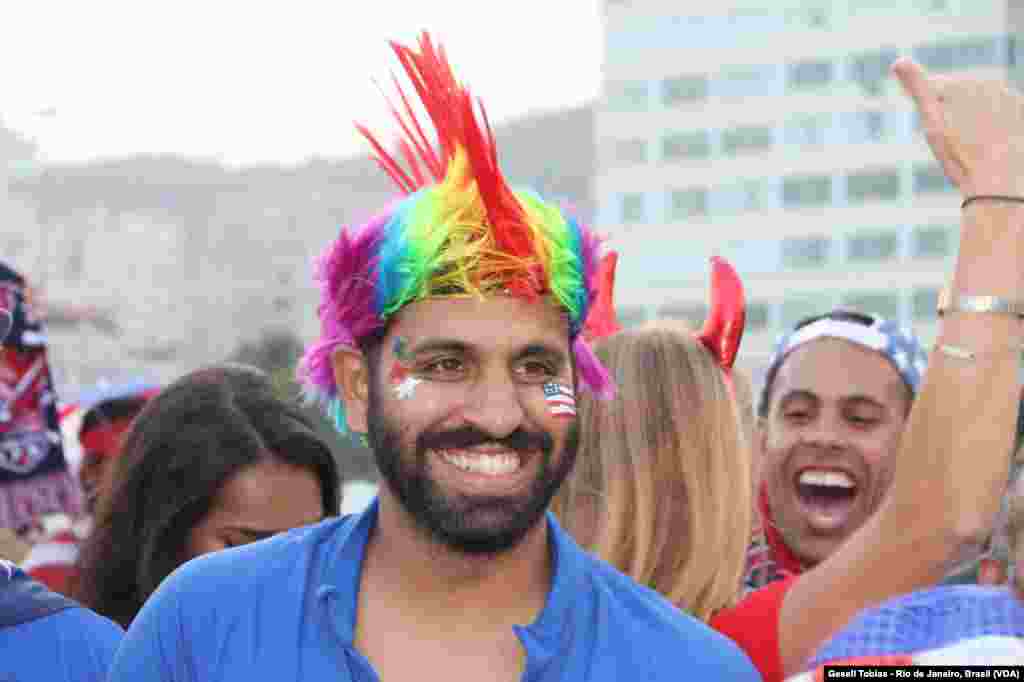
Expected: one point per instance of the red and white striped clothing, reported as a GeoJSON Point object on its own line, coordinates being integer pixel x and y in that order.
{"type": "Point", "coordinates": [988, 650]}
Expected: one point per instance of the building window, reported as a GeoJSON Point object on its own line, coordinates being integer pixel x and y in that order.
{"type": "Point", "coordinates": [810, 190]}
{"type": "Point", "coordinates": [809, 75]}
{"type": "Point", "coordinates": [746, 81]}
{"type": "Point", "coordinates": [746, 195]}
{"type": "Point", "coordinates": [923, 303]}
{"type": "Point", "coordinates": [629, 152]}
{"type": "Point", "coordinates": [881, 303]}
{"type": "Point", "coordinates": [680, 146]}
{"type": "Point", "coordinates": [961, 54]}
{"type": "Point", "coordinates": [798, 307]}
{"type": "Point", "coordinates": [683, 90]}
{"type": "Point", "coordinates": [929, 178]}
{"type": "Point", "coordinates": [688, 203]}
{"type": "Point", "coordinates": [807, 130]}
{"type": "Point", "coordinates": [864, 126]}
{"type": "Point", "coordinates": [873, 185]}
{"type": "Point", "coordinates": [873, 247]}
{"type": "Point", "coordinates": [758, 317]}
{"type": "Point", "coordinates": [805, 252]}
{"type": "Point", "coordinates": [694, 313]}
{"type": "Point", "coordinates": [870, 70]}
{"type": "Point", "coordinates": [808, 15]}
{"type": "Point", "coordinates": [626, 96]}
{"type": "Point", "coordinates": [746, 139]}
{"type": "Point", "coordinates": [633, 208]}
{"type": "Point", "coordinates": [931, 241]}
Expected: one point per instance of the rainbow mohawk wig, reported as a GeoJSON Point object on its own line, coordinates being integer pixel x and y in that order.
{"type": "Point", "coordinates": [459, 230]}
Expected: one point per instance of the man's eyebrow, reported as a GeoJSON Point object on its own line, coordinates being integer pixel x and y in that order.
{"type": "Point", "coordinates": [860, 398]}
{"type": "Point", "coordinates": [543, 349]}
{"type": "Point", "coordinates": [438, 345]}
{"type": "Point", "coordinates": [799, 394]}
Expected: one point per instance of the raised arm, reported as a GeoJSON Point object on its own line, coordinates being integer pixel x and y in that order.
{"type": "Point", "coordinates": [954, 454]}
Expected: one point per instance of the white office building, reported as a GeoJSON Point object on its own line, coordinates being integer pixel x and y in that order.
{"type": "Point", "coordinates": [771, 134]}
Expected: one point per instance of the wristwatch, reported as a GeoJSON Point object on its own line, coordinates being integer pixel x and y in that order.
{"type": "Point", "coordinates": [978, 304]}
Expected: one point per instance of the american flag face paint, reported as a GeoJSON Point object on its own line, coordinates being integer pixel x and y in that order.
{"type": "Point", "coordinates": [560, 399]}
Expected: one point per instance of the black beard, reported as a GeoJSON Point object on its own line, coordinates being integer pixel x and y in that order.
{"type": "Point", "coordinates": [478, 526]}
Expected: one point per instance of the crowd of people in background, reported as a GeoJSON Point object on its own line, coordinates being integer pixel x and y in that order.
{"type": "Point", "coordinates": [560, 498]}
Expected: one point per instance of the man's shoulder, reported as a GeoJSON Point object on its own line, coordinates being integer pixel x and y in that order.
{"type": "Point", "coordinates": [660, 632]}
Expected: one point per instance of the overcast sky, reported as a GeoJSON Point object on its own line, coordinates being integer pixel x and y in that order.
{"type": "Point", "coordinates": [256, 82]}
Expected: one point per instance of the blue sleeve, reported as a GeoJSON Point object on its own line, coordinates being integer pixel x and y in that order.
{"type": "Point", "coordinates": [156, 647]}
{"type": "Point", "coordinates": [75, 645]}
{"type": "Point", "coordinates": [883, 629]}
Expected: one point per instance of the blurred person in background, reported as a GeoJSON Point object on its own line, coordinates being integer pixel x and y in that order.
{"type": "Point", "coordinates": [46, 636]}
{"type": "Point", "coordinates": [948, 624]}
{"type": "Point", "coordinates": [657, 461]}
{"type": "Point", "coordinates": [216, 460]}
{"type": "Point", "coordinates": [34, 475]}
{"type": "Point", "coordinates": [824, 443]}
{"type": "Point", "coordinates": [105, 422]}
{"type": "Point", "coordinates": [43, 635]}
{"type": "Point", "coordinates": [12, 548]}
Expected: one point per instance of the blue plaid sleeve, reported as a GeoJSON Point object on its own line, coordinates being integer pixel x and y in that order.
{"type": "Point", "coordinates": [928, 619]}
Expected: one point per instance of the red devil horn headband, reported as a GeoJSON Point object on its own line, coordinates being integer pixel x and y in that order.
{"type": "Point", "coordinates": [601, 321]}
{"type": "Point", "coordinates": [724, 327]}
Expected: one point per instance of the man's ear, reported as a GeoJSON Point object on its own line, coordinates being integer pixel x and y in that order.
{"type": "Point", "coordinates": [352, 376]}
{"type": "Point", "coordinates": [760, 436]}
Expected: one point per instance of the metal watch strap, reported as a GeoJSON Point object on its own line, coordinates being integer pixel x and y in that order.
{"type": "Point", "coordinates": [978, 304]}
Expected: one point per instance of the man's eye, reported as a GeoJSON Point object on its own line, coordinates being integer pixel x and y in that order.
{"type": "Point", "coordinates": [535, 369]}
{"type": "Point", "coordinates": [861, 421]}
{"type": "Point", "coordinates": [444, 366]}
{"type": "Point", "coordinates": [797, 415]}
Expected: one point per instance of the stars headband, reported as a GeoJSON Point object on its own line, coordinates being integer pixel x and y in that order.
{"type": "Point", "coordinates": [898, 345]}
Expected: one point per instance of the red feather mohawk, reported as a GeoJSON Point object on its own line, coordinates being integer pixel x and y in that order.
{"type": "Point", "coordinates": [450, 107]}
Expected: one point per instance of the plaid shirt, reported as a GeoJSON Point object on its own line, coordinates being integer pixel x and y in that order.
{"type": "Point", "coordinates": [925, 620]}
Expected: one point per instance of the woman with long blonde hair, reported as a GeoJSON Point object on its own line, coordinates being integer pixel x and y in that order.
{"type": "Point", "coordinates": [661, 488]}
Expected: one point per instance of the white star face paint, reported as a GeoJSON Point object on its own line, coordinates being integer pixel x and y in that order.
{"type": "Point", "coordinates": [407, 388]}
{"type": "Point", "coordinates": [402, 381]}
{"type": "Point", "coordinates": [560, 399]}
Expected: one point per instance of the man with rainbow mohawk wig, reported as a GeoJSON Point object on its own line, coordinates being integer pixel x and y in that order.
{"type": "Point", "coordinates": [452, 337]}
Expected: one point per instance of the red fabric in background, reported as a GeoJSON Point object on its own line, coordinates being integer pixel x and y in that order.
{"type": "Point", "coordinates": [754, 625]}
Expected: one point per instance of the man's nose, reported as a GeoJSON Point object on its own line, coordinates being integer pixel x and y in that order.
{"type": "Point", "coordinates": [495, 406]}
{"type": "Point", "coordinates": [826, 430]}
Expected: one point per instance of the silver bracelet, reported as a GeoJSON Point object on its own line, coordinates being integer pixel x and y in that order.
{"type": "Point", "coordinates": [961, 353]}
{"type": "Point", "coordinates": [978, 304]}
{"type": "Point", "coordinates": [955, 352]}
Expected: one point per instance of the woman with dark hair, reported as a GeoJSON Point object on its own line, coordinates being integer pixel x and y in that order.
{"type": "Point", "coordinates": [216, 460]}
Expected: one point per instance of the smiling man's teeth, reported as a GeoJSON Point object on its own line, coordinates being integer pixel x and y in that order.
{"type": "Point", "coordinates": [491, 465]}
{"type": "Point", "coordinates": [832, 479]}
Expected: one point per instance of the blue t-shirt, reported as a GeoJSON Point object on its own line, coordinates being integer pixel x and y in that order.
{"type": "Point", "coordinates": [70, 644]}
{"type": "Point", "coordinates": [285, 609]}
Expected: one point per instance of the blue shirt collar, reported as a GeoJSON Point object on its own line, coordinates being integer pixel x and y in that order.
{"type": "Point", "coordinates": [339, 583]}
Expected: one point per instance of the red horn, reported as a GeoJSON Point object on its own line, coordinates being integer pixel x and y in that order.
{"type": "Point", "coordinates": [724, 327]}
{"type": "Point", "coordinates": [602, 320]}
